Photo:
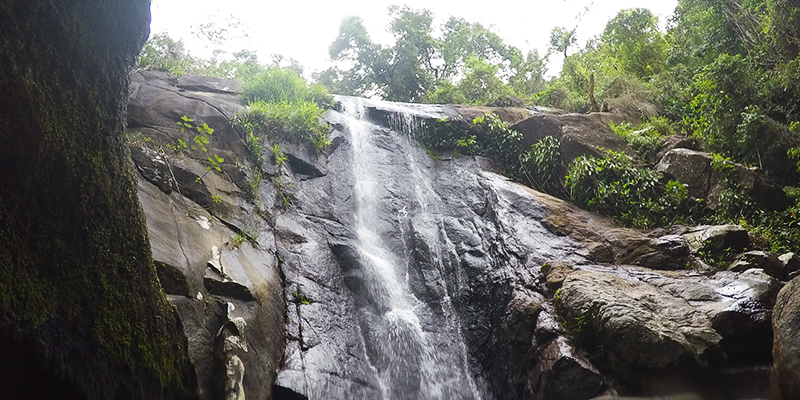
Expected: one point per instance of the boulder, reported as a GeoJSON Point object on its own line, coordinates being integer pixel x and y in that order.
{"type": "Point", "coordinates": [786, 349]}
{"type": "Point", "coordinates": [791, 264]}
{"type": "Point", "coordinates": [739, 306]}
{"type": "Point", "coordinates": [555, 272]}
{"type": "Point", "coordinates": [716, 240]}
{"type": "Point", "coordinates": [673, 142]}
{"type": "Point", "coordinates": [695, 169]}
{"type": "Point", "coordinates": [637, 325]}
{"type": "Point", "coordinates": [765, 260]}
{"type": "Point", "coordinates": [563, 373]}
{"type": "Point", "coordinates": [578, 135]}
{"type": "Point", "coordinates": [606, 242]}
{"type": "Point", "coordinates": [206, 84]}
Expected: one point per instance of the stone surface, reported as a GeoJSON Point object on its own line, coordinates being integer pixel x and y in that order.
{"type": "Point", "coordinates": [469, 247]}
{"type": "Point", "coordinates": [717, 239]}
{"type": "Point", "coordinates": [555, 272]}
{"type": "Point", "coordinates": [605, 242]}
{"type": "Point", "coordinates": [786, 350]}
{"type": "Point", "coordinates": [791, 264]}
{"type": "Point", "coordinates": [637, 325]}
{"type": "Point", "coordinates": [765, 260]}
{"type": "Point", "coordinates": [673, 142]}
{"type": "Point", "coordinates": [194, 235]}
{"type": "Point", "coordinates": [82, 315]}
{"type": "Point", "coordinates": [694, 169]}
{"type": "Point", "coordinates": [564, 374]}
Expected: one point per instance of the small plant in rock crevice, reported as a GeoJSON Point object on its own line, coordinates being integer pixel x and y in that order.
{"type": "Point", "coordinates": [301, 299]}
{"type": "Point", "coordinates": [278, 156]}
{"type": "Point", "coordinates": [200, 138]}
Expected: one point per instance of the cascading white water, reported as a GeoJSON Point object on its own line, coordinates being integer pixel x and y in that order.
{"type": "Point", "coordinates": [413, 358]}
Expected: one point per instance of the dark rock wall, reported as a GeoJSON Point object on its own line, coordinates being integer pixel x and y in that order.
{"type": "Point", "coordinates": [81, 312]}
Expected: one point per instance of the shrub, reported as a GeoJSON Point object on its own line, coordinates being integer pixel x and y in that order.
{"type": "Point", "coordinates": [291, 120]}
{"type": "Point", "coordinates": [643, 139]}
{"type": "Point", "coordinates": [284, 85]}
{"type": "Point", "coordinates": [282, 105]}
{"type": "Point", "coordinates": [542, 161]}
{"type": "Point", "coordinates": [615, 187]}
{"type": "Point", "coordinates": [491, 137]}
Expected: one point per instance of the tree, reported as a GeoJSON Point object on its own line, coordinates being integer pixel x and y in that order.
{"type": "Point", "coordinates": [561, 40]}
{"type": "Point", "coordinates": [423, 67]}
{"type": "Point", "coordinates": [632, 38]}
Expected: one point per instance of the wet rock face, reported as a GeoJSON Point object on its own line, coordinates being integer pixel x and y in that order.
{"type": "Point", "coordinates": [637, 325]}
{"type": "Point", "coordinates": [228, 291]}
{"type": "Point", "coordinates": [503, 292]}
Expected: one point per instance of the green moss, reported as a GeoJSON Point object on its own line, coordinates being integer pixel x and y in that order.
{"type": "Point", "coordinates": [74, 236]}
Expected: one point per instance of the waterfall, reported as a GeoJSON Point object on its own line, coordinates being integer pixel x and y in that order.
{"type": "Point", "coordinates": [415, 351]}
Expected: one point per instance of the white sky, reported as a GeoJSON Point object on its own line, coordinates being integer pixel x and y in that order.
{"type": "Point", "coordinates": [303, 30]}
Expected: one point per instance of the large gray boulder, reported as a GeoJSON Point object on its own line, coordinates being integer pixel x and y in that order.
{"type": "Point", "coordinates": [578, 135]}
{"type": "Point", "coordinates": [786, 352]}
{"type": "Point", "coordinates": [637, 325]}
{"type": "Point", "coordinates": [695, 169]}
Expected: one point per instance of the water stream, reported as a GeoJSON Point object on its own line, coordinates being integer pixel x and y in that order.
{"type": "Point", "coordinates": [414, 346]}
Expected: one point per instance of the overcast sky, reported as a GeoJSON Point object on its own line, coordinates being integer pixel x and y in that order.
{"type": "Point", "coordinates": [303, 29]}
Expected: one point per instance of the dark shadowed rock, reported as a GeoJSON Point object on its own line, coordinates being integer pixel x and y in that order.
{"type": "Point", "coordinates": [564, 374]}
{"type": "Point", "coordinates": [717, 239]}
{"type": "Point", "coordinates": [786, 350]}
{"type": "Point", "coordinates": [791, 264]}
{"type": "Point", "coordinates": [228, 289]}
{"type": "Point", "coordinates": [765, 260]}
{"type": "Point", "coordinates": [172, 280]}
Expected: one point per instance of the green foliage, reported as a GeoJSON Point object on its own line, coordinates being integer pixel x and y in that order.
{"type": "Point", "coordinates": [283, 106]}
{"type": "Point", "coordinates": [301, 299]}
{"type": "Point", "coordinates": [292, 120]}
{"type": "Point", "coordinates": [254, 147]}
{"type": "Point", "coordinates": [278, 156]}
{"type": "Point", "coordinates": [466, 63]}
{"type": "Point", "coordinates": [633, 40]}
{"type": "Point", "coordinates": [614, 186]}
{"type": "Point", "coordinates": [542, 162]}
{"type": "Point", "coordinates": [199, 142]}
{"type": "Point", "coordinates": [282, 186]}
{"type": "Point", "coordinates": [277, 85]}
{"type": "Point", "coordinates": [238, 239]}
{"type": "Point", "coordinates": [163, 53]}
{"type": "Point", "coordinates": [491, 137]}
{"type": "Point", "coordinates": [644, 139]}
